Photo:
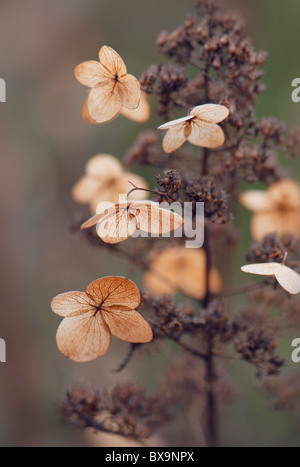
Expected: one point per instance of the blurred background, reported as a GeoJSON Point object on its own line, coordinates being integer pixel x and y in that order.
{"type": "Point", "coordinates": [44, 147]}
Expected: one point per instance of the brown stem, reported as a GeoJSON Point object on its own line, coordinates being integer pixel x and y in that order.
{"type": "Point", "coordinates": [211, 403]}
{"type": "Point", "coordinates": [240, 290]}
{"type": "Point", "coordinates": [211, 411]}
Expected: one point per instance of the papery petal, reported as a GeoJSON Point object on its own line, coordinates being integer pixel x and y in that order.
{"type": "Point", "coordinates": [282, 223]}
{"type": "Point", "coordinates": [116, 226]}
{"type": "Point", "coordinates": [85, 190]}
{"type": "Point", "coordinates": [128, 326]}
{"type": "Point", "coordinates": [288, 279]}
{"type": "Point", "coordinates": [175, 123]}
{"type": "Point", "coordinates": [72, 304]}
{"type": "Point", "coordinates": [86, 115]}
{"type": "Point", "coordinates": [104, 166]}
{"type": "Point", "coordinates": [206, 135]}
{"type": "Point", "coordinates": [90, 74]}
{"type": "Point", "coordinates": [256, 200]}
{"type": "Point", "coordinates": [174, 139]}
{"type": "Point", "coordinates": [129, 91]}
{"type": "Point", "coordinates": [261, 269]}
{"type": "Point", "coordinates": [285, 194]}
{"type": "Point", "coordinates": [210, 113]}
{"type": "Point", "coordinates": [112, 61]}
{"type": "Point", "coordinates": [112, 291]}
{"type": "Point", "coordinates": [139, 115]}
{"type": "Point", "coordinates": [83, 338]}
{"type": "Point", "coordinates": [152, 218]}
{"type": "Point", "coordinates": [104, 103]}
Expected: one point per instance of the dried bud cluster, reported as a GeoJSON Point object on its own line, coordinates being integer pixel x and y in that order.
{"type": "Point", "coordinates": [272, 248]}
{"type": "Point", "coordinates": [166, 81]}
{"type": "Point", "coordinates": [215, 200]}
{"type": "Point", "coordinates": [257, 340]}
{"type": "Point", "coordinates": [172, 321]}
{"type": "Point", "coordinates": [123, 410]}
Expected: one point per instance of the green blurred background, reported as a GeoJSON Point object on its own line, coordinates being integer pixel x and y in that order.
{"type": "Point", "coordinates": [44, 147]}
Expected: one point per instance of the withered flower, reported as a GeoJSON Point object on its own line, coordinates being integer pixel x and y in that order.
{"type": "Point", "coordinates": [287, 277]}
{"type": "Point", "coordinates": [111, 86]}
{"type": "Point", "coordinates": [117, 222]}
{"type": "Point", "coordinates": [105, 180]}
{"type": "Point", "coordinates": [199, 128]}
{"type": "Point", "coordinates": [180, 269]}
{"type": "Point", "coordinates": [106, 308]}
{"type": "Point", "coordinates": [276, 210]}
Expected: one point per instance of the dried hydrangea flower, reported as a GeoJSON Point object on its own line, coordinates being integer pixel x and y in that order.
{"type": "Point", "coordinates": [180, 269]}
{"type": "Point", "coordinates": [139, 115]}
{"type": "Point", "coordinates": [199, 128]}
{"type": "Point", "coordinates": [287, 277]}
{"type": "Point", "coordinates": [106, 308]}
{"type": "Point", "coordinates": [111, 86]}
{"type": "Point", "coordinates": [276, 210]}
{"type": "Point", "coordinates": [117, 222]}
{"type": "Point", "coordinates": [105, 180]}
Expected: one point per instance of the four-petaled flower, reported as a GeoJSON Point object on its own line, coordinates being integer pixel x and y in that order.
{"type": "Point", "coordinates": [180, 269]}
{"type": "Point", "coordinates": [106, 180]}
{"type": "Point", "coordinates": [112, 87]}
{"type": "Point", "coordinates": [199, 128]}
{"type": "Point", "coordinates": [106, 308]}
{"type": "Point", "coordinates": [117, 222]}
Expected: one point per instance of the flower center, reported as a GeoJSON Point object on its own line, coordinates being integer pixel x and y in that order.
{"type": "Point", "coordinates": [188, 128]}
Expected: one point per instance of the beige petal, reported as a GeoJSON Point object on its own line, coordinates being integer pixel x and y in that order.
{"type": "Point", "coordinates": [86, 115]}
{"type": "Point", "coordinates": [108, 192]}
{"type": "Point", "coordinates": [104, 103]}
{"type": "Point", "coordinates": [154, 219]}
{"type": "Point", "coordinates": [285, 194]}
{"type": "Point", "coordinates": [175, 123]}
{"type": "Point", "coordinates": [113, 291]}
{"type": "Point", "coordinates": [174, 139]}
{"type": "Point", "coordinates": [288, 279]}
{"type": "Point", "coordinates": [104, 166]}
{"type": "Point", "coordinates": [72, 304]}
{"type": "Point", "coordinates": [90, 74]}
{"type": "Point", "coordinates": [92, 221]}
{"type": "Point", "coordinates": [116, 226]}
{"type": "Point", "coordinates": [112, 61]}
{"type": "Point", "coordinates": [128, 326]}
{"type": "Point", "coordinates": [256, 200]}
{"type": "Point", "coordinates": [83, 338]}
{"type": "Point", "coordinates": [282, 223]}
{"type": "Point", "coordinates": [139, 115]}
{"type": "Point", "coordinates": [262, 269]}
{"type": "Point", "coordinates": [85, 190]}
{"type": "Point", "coordinates": [210, 113]}
{"type": "Point", "coordinates": [129, 91]}
{"type": "Point", "coordinates": [206, 135]}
